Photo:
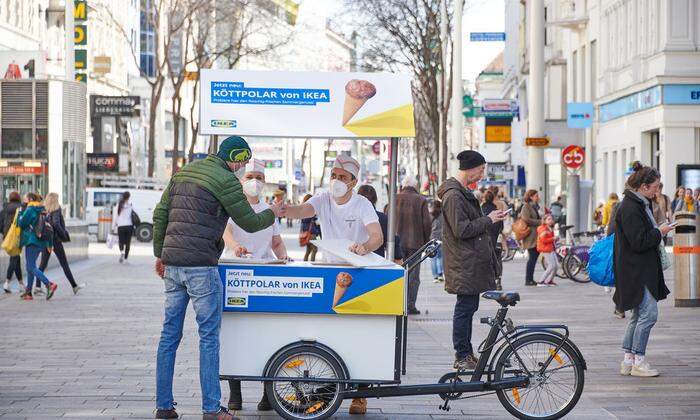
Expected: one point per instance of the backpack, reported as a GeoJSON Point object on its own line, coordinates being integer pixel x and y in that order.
{"type": "Point", "coordinates": [42, 228]}
{"type": "Point", "coordinates": [600, 262]}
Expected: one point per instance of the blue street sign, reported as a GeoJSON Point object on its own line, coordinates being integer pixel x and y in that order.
{"type": "Point", "coordinates": [487, 36]}
{"type": "Point", "coordinates": [579, 114]}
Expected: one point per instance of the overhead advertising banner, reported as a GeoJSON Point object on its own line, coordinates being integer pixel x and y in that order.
{"type": "Point", "coordinates": [306, 104]}
{"type": "Point", "coordinates": [311, 289]}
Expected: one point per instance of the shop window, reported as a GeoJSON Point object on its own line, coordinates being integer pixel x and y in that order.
{"type": "Point", "coordinates": [42, 143]}
{"type": "Point", "coordinates": [106, 199]}
{"type": "Point", "coordinates": [17, 143]}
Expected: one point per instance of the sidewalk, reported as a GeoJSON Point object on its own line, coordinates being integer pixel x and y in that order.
{"type": "Point", "coordinates": [93, 355]}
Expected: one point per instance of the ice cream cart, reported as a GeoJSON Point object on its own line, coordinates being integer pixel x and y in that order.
{"type": "Point", "coordinates": [317, 334]}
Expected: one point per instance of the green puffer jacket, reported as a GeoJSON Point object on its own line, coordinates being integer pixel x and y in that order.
{"type": "Point", "coordinates": [189, 221]}
{"type": "Point", "coordinates": [26, 221]}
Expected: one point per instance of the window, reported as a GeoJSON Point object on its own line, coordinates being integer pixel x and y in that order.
{"type": "Point", "coordinates": [42, 143]}
{"type": "Point", "coordinates": [17, 143]}
{"type": "Point", "coordinates": [103, 199]}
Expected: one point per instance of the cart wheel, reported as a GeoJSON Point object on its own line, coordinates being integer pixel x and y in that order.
{"type": "Point", "coordinates": [297, 399]}
{"type": "Point", "coordinates": [451, 377]}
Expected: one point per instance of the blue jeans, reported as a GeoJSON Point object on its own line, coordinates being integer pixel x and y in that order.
{"type": "Point", "coordinates": [465, 308]}
{"type": "Point", "coordinates": [643, 319]}
{"type": "Point", "coordinates": [436, 264]}
{"type": "Point", "coordinates": [31, 253]}
{"type": "Point", "coordinates": [203, 286]}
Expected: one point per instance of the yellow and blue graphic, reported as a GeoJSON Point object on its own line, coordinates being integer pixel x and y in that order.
{"type": "Point", "coordinates": [312, 289]}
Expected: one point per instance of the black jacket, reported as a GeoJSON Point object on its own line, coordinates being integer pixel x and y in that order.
{"type": "Point", "coordinates": [496, 228]}
{"type": "Point", "coordinates": [56, 221]}
{"type": "Point", "coordinates": [636, 259]}
{"type": "Point", "coordinates": [469, 257]}
{"type": "Point", "coordinates": [7, 216]}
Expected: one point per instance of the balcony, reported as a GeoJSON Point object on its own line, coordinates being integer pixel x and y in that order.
{"type": "Point", "coordinates": [572, 15]}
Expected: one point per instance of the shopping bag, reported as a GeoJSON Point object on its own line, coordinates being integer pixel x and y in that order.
{"type": "Point", "coordinates": [520, 229]}
{"type": "Point", "coordinates": [112, 240]}
{"type": "Point", "coordinates": [11, 241]}
{"type": "Point", "coordinates": [600, 262]}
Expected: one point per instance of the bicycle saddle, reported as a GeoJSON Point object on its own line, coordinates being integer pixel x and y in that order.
{"type": "Point", "coordinates": [504, 298]}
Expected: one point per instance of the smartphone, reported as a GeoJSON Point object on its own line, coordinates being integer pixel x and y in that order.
{"type": "Point", "coordinates": [674, 224]}
{"type": "Point", "coordinates": [507, 212]}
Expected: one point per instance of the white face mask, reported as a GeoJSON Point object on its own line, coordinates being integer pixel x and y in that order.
{"type": "Point", "coordinates": [253, 187]}
{"type": "Point", "coordinates": [338, 188]}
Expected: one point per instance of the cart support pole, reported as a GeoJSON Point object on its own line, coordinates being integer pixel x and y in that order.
{"type": "Point", "coordinates": [391, 231]}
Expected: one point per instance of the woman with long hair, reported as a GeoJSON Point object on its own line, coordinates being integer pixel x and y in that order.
{"type": "Point", "coordinates": [8, 216]}
{"type": "Point", "coordinates": [60, 235]}
{"type": "Point", "coordinates": [123, 224]}
{"type": "Point", "coordinates": [530, 213]}
{"type": "Point", "coordinates": [34, 242]}
{"type": "Point", "coordinates": [639, 276]}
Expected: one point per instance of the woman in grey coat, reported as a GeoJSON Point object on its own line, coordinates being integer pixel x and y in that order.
{"type": "Point", "coordinates": [530, 214]}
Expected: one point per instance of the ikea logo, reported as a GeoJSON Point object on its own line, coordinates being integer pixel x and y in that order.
{"type": "Point", "coordinates": [224, 123]}
{"type": "Point", "coordinates": [236, 301]}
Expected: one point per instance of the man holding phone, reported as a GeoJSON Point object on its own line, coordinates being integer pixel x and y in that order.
{"type": "Point", "coordinates": [470, 262]}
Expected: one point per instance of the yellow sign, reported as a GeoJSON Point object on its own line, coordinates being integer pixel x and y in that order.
{"type": "Point", "coordinates": [80, 10]}
{"type": "Point", "coordinates": [81, 59]}
{"type": "Point", "coordinates": [537, 141]}
{"type": "Point", "coordinates": [498, 134]}
{"type": "Point", "coordinates": [191, 75]}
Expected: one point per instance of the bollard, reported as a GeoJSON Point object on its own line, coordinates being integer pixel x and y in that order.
{"type": "Point", "coordinates": [104, 223]}
{"type": "Point", "coordinates": [686, 247]}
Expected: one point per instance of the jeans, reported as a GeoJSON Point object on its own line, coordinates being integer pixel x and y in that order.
{"type": "Point", "coordinates": [465, 308]}
{"type": "Point", "coordinates": [31, 253]}
{"type": "Point", "coordinates": [643, 319]}
{"type": "Point", "coordinates": [125, 233]}
{"type": "Point", "coordinates": [532, 256]}
{"type": "Point", "coordinates": [203, 286]}
{"type": "Point", "coordinates": [436, 264]}
{"type": "Point", "coordinates": [62, 259]}
{"type": "Point", "coordinates": [413, 279]}
{"type": "Point", "coordinates": [550, 262]}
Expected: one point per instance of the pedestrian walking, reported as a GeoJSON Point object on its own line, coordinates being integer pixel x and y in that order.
{"type": "Point", "coordinates": [36, 236]}
{"type": "Point", "coordinates": [613, 199]}
{"type": "Point", "coordinates": [370, 194]}
{"type": "Point", "coordinates": [530, 214]}
{"type": "Point", "coordinates": [60, 235]}
{"type": "Point", "coordinates": [309, 231]}
{"type": "Point", "coordinates": [639, 277]}
{"type": "Point", "coordinates": [436, 263]}
{"type": "Point", "coordinates": [123, 225]}
{"type": "Point", "coordinates": [687, 203]}
{"type": "Point", "coordinates": [545, 246]}
{"type": "Point", "coordinates": [496, 229]}
{"type": "Point", "coordinates": [677, 197]}
{"type": "Point", "coordinates": [188, 231]}
{"type": "Point", "coordinates": [14, 266]}
{"type": "Point", "coordinates": [468, 255]}
{"type": "Point", "coordinates": [413, 225]}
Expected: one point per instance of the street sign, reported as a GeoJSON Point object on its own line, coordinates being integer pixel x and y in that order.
{"type": "Point", "coordinates": [499, 108]}
{"type": "Point", "coordinates": [487, 36]}
{"type": "Point", "coordinates": [468, 108]}
{"type": "Point", "coordinates": [498, 130]}
{"type": "Point", "coordinates": [579, 114]}
{"type": "Point", "coordinates": [537, 141]}
{"type": "Point", "coordinates": [573, 156]}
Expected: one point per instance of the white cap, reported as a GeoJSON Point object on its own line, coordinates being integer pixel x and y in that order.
{"type": "Point", "coordinates": [409, 181]}
{"type": "Point", "coordinates": [255, 165]}
{"type": "Point", "coordinates": [348, 163]}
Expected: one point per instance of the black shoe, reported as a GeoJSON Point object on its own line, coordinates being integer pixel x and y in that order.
{"type": "Point", "coordinates": [530, 283]}
{"type": "Point", "coordinates": [413, 311]}
{"type": "Point", "coordinates": [166, 414]}
{"type": "Point", "coordinates": [466, 363]}
{"type": "Point", "coordinates": [235, 400]}
{"type": "Point", "coordinates": [498, 285]}
{"type": "Point", "coordinates": [264, 404]}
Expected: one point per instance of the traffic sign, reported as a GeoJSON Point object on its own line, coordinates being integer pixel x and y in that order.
{"type": "Point", "coordinates": [537, 141]}
{"type": "Point", "coordinates": [573, 156]}
{"type": "Point", "coordinates": [487, 36]}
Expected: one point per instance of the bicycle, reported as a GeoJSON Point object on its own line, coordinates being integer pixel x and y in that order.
{"type": "Point", "coordinates": [576, 261]}
{"type": "Point", "coordinates": [512, 249]}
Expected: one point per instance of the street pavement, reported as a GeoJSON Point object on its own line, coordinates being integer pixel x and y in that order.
{"type": "Point", "coordinates": [93, 355]}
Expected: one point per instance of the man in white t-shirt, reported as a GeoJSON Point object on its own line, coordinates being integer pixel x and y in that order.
{"type": "Point", "coordinates": [263, 244]}
{"type": "Point", "coordinates": [343, 214]}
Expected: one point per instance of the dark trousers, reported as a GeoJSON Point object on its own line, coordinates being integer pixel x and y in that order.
{"type": "Point", "coordinates": [413, 279]}
{"type": "Point", "coordinates": [532, 256]}
{"type": "Point", "coordinates": [125, 233]}
{"type": "Point", "coordinates": [15, 267]}
{"type": "Point", "coordinates": [465, 308]}
{"type": "Point", "coordinates": [311, 251]}
{"type": "Point", "coordinates": [61, 255]}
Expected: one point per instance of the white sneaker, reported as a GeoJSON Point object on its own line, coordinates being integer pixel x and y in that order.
{"type": "Point", "coordinates": [626, 368]}
{"type": "Point", "coordinates": [78, 287]}
{"type": "Point", "coordinates": [38, 291]}
{"type": "Point", "coordinates": [121, 258]}
{"type": "Point", "coordinates": [6, 286]}
{"type": "Point", "coordinates": [643, 370]}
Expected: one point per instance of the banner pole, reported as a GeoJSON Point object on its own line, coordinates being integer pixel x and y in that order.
{"type": "Point", "coordinates": [391, 231]}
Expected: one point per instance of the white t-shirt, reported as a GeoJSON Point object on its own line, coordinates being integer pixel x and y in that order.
{"type": "Point", "coordinates": [347, 221]}
{"type": "Point", "coordinates": [259, 243]}
{"type": "Point", "coordinates": [123, 218]}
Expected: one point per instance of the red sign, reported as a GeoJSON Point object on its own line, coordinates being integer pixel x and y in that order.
{"type": "Point", "coordinates": [21, 170]}
{"type": "Point", "coordinates": [573, 156]}
{"type": "Point", "coordinates": [377, 147]}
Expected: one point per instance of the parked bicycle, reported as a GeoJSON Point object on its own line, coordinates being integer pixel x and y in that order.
{"type": "Point", "coordinates": [513, 248]}
{"type": "Point", "coordinates": [575, 263]}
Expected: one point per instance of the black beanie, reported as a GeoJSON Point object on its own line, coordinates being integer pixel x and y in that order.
{"type": "Point", "coordinates": [469, 159]}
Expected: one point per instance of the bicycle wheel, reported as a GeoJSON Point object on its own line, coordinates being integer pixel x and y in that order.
{"type": "Point", "coordinates": [509, 255]}
{"type": "Point", "coordinates": [552, 393]}
{"type": "Point", "coordinates": [296, 400]}
{"type": "Point", "coordinates": [576, 269]}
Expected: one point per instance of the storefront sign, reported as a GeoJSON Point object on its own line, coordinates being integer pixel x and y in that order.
{"type": "Point", "coordinates": [579, 114]}
{"type": "Point", "coordinates": [102, 64]}
{"type": "Point", "coordinates": [500, 171]}
{"type": "Point", "coordinates": [537, 141]}
{"type": "Point", "coordinates": [499, 108]}
{"type": "Point", "coordinates": [81, 59]}
{"type": "Point", "coordinates": [315, 290]}
{"type": "Point", "coordinates": [114, 106]}
{"type": "Point", "coordinates": [103, 162]}
{"type": "Point", "coordinates": [573, 156]}
{"type": "Point", "coordinates": [80, 39]}
{"type": "Point", "coordinates": [682, 94]}
{"type": "Point", "coordinates": [636, 102]}
{"type": "Point", "coordinates": [306, 104]}
{"type": "Point", "coordinates": [498, 130]}
{"type": "Point", "coordinates": [22, 170]}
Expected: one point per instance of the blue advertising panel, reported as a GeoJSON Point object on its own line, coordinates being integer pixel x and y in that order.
{"type": "Point", "coordinates": [305, 288]}
{"type": "Point", "coordinates": [635, 102]}
{"type": "Point", "coordinates": [682, 94]}
{"type": "Point", "coordinates": [487, 36]}
{"type": "Point", "coordinates": [579, 114]}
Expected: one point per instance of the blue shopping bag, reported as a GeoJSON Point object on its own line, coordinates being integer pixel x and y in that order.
{"type": "Point", "coordinates": [600, 262]}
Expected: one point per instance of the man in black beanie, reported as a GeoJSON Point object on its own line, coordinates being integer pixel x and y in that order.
{"type": "Point", "coordinates": [469, 257]}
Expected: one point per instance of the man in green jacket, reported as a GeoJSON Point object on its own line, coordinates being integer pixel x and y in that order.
{"type": "Point", "coordinates": [189, 223]}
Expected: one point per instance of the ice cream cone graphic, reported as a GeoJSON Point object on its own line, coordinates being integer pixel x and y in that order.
{"type": "Point", "coordinates": [342, 282]}
{"type": "Point", "coordinates": [357, 92]}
